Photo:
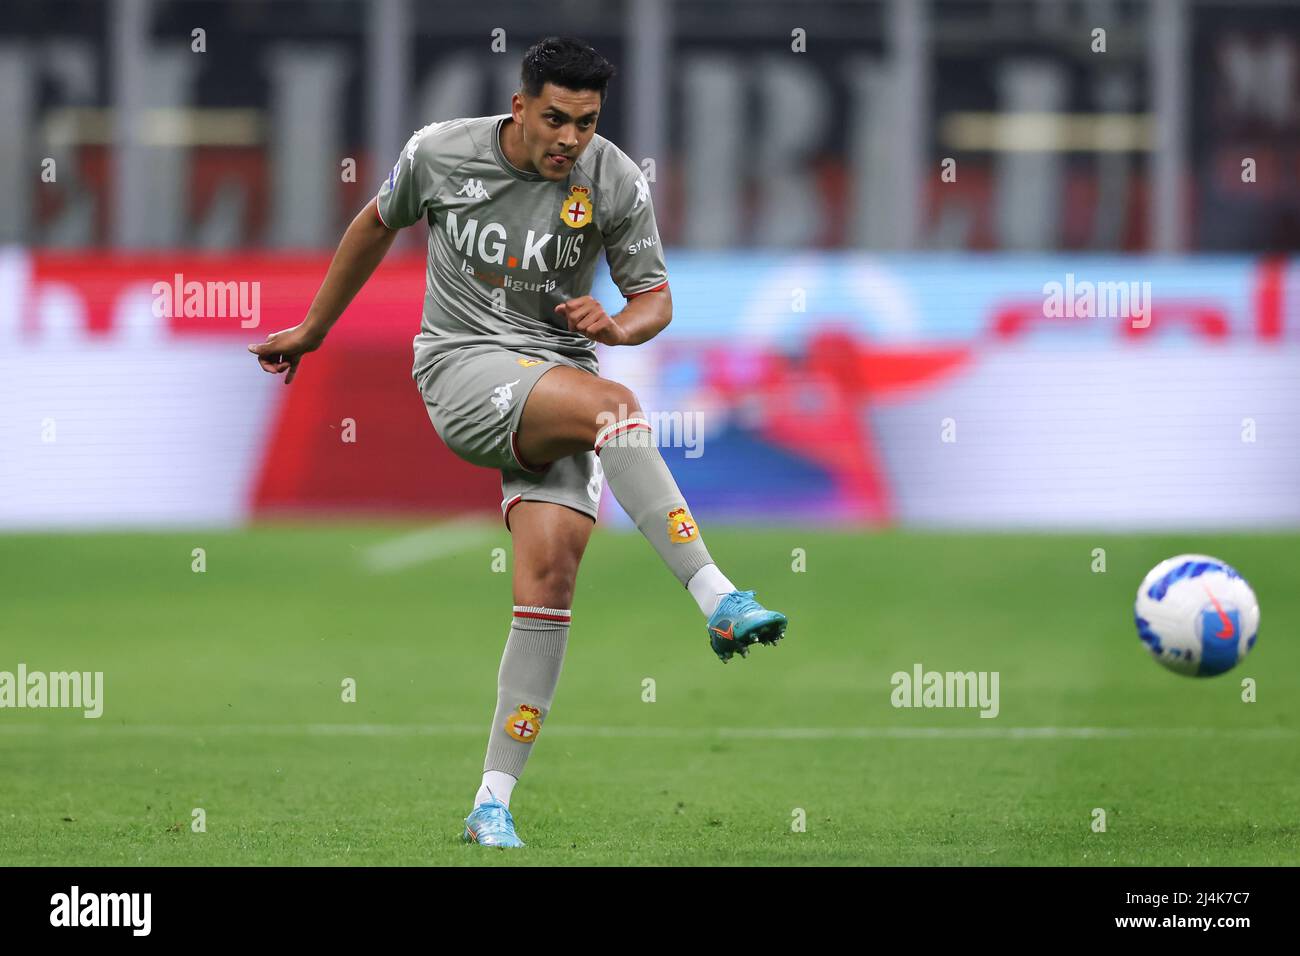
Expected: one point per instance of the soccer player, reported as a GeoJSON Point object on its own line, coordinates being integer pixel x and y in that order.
{"type": "Point", "coordinates": [518, 208]}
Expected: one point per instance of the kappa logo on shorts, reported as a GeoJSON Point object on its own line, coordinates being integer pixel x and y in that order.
{"type": "Point", "coordinates": [529, 363]}
{"type": "Point", "coordinates": [681, 526]}
{"type": "Point", "coordinates": [524, 724]}
{"type": "Point", "coordinates": [502, 397]}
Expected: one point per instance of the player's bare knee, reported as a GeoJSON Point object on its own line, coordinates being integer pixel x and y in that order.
{"type": "Point", "coordinates": [551, 585]}
{"type": "Point", "coordinates": [615, 403]}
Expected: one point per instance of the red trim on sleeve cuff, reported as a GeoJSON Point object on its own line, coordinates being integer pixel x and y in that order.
{"type": "Point", "coordinates": [380, 214]}
{"type": "Point", "coordinates": [661, 285]}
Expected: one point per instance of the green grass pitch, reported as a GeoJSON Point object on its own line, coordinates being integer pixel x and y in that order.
{"type": "Point", "coordinates": [223, 691]}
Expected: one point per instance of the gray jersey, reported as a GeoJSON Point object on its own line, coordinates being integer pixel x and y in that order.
{"type": "Point", "coordinates": [507, 246]}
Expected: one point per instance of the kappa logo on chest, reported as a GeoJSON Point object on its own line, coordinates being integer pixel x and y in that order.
{"type": "Point", "coordinates": [473, 188]}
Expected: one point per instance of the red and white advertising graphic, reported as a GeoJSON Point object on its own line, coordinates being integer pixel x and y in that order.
{"type": "Point", "coordinates": [1042, 391]}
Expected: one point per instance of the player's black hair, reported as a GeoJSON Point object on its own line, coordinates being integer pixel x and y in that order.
{"type": "Point", "coordinates": [567, 62]}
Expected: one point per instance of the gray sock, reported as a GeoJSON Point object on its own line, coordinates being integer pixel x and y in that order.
{"type": "Point", "coordinates": [645, 488]}
{"type": "Point", "coordinates": [530, 670]}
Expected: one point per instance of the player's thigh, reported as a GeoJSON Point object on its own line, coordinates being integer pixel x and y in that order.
{"type": "Point", "coordinates": [475, 398]}
{"type": "Point", "coordinates": [566, 409]}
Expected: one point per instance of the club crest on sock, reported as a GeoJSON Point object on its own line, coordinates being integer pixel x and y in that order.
{"type": "Point", "coordinates": [681, 527]}
{"type": "Point", "coordinates": [524, 724]}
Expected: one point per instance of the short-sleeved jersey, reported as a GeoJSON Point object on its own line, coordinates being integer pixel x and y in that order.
{"type": "Point", "coordinates": [506, 246]}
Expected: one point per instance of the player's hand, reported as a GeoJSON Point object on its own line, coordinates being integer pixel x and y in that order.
{"type": "Point", "coordinates": [586, 315]}
{"type": "Point", "coordinates": [282, 351]}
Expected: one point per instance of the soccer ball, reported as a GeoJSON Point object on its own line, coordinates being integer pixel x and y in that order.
{"type": "Point", "coordinates": [1196, 615]}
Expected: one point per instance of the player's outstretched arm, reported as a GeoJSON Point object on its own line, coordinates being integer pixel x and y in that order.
{"type": "Point", "coordinates": [360, 251]}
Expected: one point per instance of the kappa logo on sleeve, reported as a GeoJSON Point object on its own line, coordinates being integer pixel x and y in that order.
{"type": "Point", "coordinates": [642, 191]}
{"type": "Point", "coordinates": [413, 143]}
{"type": "Point", "coordinates": [524, 724]}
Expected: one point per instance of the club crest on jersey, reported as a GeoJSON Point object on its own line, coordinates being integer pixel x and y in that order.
{"type": "Point", "coordinates": [576, 210]}
{"type": "Point", "coordinates": [529, 363]}
{"type": "Point", "coordinates": [524, 724]}
{"type": "Point", "coordinates": [681, 527]}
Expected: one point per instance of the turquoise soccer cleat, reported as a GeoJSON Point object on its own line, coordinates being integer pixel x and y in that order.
{"type": "Point", "coordinates": [740, 621]}
{"type": "Point", "coordinates": [491, 825]}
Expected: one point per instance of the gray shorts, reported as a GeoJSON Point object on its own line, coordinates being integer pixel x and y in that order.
{"type": "Point", "coordinates": [475, 397]}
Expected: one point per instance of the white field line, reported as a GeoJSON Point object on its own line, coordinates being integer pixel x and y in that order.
{"type": "Point", "coordinates": [91, 728]}
{"type": "Point", "coordinates": [427, 544]}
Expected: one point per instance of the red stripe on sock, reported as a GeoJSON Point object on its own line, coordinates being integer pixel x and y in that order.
{"type": "Point", "coordinates": [544, 617]}
{"type": "Point", "coordinates": [618, 431]}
